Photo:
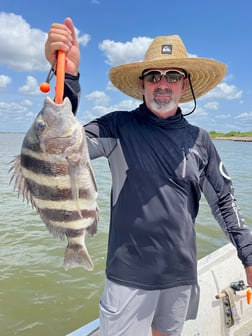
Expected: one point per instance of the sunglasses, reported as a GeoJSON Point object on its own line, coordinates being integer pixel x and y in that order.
{"type": "Point", "coordinates": [155, 76]}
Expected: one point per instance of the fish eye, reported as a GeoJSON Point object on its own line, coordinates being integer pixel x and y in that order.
{"type": "Point", "coordinates": [41, 126]}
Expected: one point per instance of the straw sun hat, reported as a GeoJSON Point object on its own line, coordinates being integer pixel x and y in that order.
{"type": "Point", "coordinates": [169, 52]}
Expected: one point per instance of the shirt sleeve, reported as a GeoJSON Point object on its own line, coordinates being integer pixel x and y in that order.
{"type": "Point", "coordinates": [72, 90]}
{"type": "Point", "coordinates": [101, 136]}
{"type": "Point", "coordinates": [219, 193]}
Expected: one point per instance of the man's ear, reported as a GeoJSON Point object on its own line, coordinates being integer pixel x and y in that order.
{"type": "Point", "coordinates": [185, 84]}
{"type": "Point", "coordinates": [141, 84]}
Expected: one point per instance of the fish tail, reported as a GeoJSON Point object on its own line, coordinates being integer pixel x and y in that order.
{"type": "Point", "coordinates": [77, 255]}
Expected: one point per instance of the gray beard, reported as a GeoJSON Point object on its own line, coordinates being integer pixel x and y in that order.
{"type": "Point", "coordinates": [161, 106]}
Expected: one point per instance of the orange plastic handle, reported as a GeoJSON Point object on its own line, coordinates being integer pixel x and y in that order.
{"type": "Point", "coordinates": [249, 294]}
{"type": "Point", "coordinates": [60, 76]}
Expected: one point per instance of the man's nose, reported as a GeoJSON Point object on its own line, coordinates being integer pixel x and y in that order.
{"type": "Point", "coordinates": [163, 81]}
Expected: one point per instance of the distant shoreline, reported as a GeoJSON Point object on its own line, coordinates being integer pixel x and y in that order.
{"type": "Point", "coordinates": [234, 138]}
{"type": "Point", "coordinates": [212, 135]}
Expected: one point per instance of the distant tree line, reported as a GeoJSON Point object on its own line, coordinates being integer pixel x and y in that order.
{"type": "Point", "coordinates": [214, 134]}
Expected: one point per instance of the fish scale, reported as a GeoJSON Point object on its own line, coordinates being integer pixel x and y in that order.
{"type": "Point", "coordinates": [54, 173]}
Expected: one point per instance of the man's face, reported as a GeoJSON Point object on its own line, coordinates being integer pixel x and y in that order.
{"type": "Point", "coordinates": [162, 89]}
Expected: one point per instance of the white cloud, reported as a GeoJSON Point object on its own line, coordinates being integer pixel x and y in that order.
{"type": "Point", "coordinates": [212, 105]}
{"type": "Point", "coordinates": [23, 46]}
{"type": "Point", "coordinates": [82, 39]}
{"type": "Point", "coordinates": [14, 109]}
{"type": "Point", "coordinates": [127, 104]}
{"type": "Point", "coordinates": [27, 102]}
{"type": "Point", "coordinates": [17, 115]}
{"type": "Point", "coordinates": [101, 101]}
{"type": "Point", "coordinates": [224, 91]}
{"type": "Point", "coordinates": [223, 116]}
{"type": "Point", "coordinates": [101, 106]}
{"type": "Point", "coordinates": [98, 98]}
{"type": "Point", "coordinates": [200, 112]}
{"type": "Point", "coordinates": [126, 52]}
{"type": "Point", "coordinates": [188, 107]}
{"type": "Point", "coordinates": [121, 53]}
{"type": "Point", "coordinates": [31, 86]}
{"type": "Point", "coordinates": [111, 87]}
{"type": "Point", "coordinates": [4, 81]}
{"type": "Point", "coordinates": [245, 116]}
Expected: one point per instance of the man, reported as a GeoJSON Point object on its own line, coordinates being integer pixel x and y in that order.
{"type": "Point", "coordinates": [160, 164]}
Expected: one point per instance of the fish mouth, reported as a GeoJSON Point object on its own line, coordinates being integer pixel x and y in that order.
{"type": "Point", "coordinates": [50, 101]}
{"type": "Point", "coordinates": [67, 128]}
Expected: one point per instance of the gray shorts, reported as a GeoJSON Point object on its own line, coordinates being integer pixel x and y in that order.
{"type": "Point", "coordinates": [126, 311]}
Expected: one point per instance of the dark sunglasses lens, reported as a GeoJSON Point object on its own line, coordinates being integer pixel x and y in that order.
{"type": "Point", "coordinates": [173, 77]}
{"type": "Point", "coordinates": [153, 76]}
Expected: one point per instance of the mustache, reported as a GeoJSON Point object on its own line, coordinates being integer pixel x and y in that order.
{"type": "Point", "coordinates": [163, 91]}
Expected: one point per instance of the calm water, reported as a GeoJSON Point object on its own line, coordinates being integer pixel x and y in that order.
{"type": "Point", "coordinates": [37, 296]}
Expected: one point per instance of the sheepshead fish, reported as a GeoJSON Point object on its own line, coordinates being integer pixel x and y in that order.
{"type": "Point", "coordinates": [54, 174]}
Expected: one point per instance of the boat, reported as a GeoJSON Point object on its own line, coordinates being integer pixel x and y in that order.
{"type": "Point", "coordinates": [225, 307]}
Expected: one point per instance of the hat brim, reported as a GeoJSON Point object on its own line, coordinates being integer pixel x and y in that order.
{"type": "Point", "coordinates": [205, 75]}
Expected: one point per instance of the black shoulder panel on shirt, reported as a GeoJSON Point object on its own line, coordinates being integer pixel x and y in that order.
{"type": "Point", "coordinates": [72, 90]}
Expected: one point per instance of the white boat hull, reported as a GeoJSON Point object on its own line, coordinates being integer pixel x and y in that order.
{"type": "Point", "coordinates": [216, 272]}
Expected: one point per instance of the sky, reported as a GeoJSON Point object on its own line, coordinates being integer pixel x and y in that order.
{"type": "Point", "coordinates": [113, 32]}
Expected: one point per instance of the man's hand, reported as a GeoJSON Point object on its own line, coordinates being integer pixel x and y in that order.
{"type": "Point", "coordinates": [63, 37]}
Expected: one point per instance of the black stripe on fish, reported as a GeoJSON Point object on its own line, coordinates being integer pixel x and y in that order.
{"type": "Point", "coordinates": [43, 167]}
{"type": "Point", "coordinates": [54, 193]}
{"type": "Point", "coordinates": [59, 215]}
